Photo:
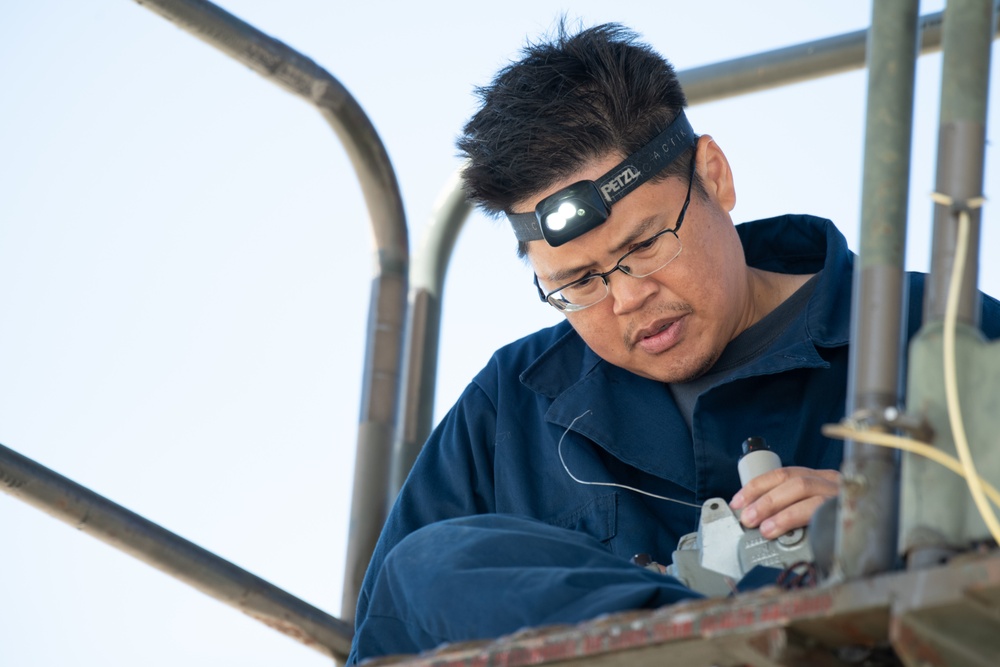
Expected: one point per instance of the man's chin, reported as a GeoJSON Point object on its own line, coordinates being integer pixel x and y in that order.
{"type": "Point", "coordinates": [685, 372]}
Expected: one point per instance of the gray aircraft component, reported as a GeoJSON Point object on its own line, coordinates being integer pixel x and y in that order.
{"type": "Point", "coordinates": [722, 551]}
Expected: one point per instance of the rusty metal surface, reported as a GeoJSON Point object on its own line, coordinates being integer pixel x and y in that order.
{"type": "Point", "coordinates": [947, 615]}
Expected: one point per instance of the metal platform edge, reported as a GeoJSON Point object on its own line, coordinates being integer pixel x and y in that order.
{"type": "Point", "coordinates": [944, 615]}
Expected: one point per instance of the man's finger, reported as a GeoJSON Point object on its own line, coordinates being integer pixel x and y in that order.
{"type": "Point", "coordinates": [791, 489]}
{"type": "Point", "coordinates": [796, 516]}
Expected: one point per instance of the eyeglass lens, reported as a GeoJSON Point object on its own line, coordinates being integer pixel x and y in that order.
{"type": "Point", "coordinates": [651, 256]}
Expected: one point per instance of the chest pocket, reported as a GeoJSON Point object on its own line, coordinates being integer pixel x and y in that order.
{"type": "Point", "coordinates": [597, 518]}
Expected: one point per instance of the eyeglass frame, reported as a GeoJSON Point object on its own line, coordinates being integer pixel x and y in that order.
{"type": "Point", "coordinates": [573, 308]}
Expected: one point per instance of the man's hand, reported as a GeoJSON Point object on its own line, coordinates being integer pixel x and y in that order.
{"type": "Point", "coordinates": [784, 499]}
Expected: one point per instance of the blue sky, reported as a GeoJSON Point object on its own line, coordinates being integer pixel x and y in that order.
{"type": "Point", "coordinates": [185, 262]}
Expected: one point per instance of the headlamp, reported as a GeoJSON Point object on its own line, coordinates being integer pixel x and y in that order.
{"type": "Point", "coordinates": [584, 205]}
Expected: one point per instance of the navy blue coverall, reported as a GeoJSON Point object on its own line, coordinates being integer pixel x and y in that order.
{"type": "Point", "coordinates": [491, 534]}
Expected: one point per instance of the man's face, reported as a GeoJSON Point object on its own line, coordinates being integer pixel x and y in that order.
{"type": "Point", "coordinates": [672, 325]}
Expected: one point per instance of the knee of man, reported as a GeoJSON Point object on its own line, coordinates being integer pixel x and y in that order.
{"type": "Point", "coordinates": [419, 568]}
{"type": "Point", "coordinates": [450, 547]}
{"type": "Point", "coordinates": [439, 546]}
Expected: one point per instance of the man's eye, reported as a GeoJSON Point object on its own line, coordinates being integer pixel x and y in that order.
{"type": "Point", "coordinates": [584, 284]}
{"type": "Point", "coordinates": [645, 246]}
{"type": "Point", "coordinates": [589, 281]}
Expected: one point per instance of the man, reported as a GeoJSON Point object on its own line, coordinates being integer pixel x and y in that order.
{"type": "Point", "coordinates": [597, 439]}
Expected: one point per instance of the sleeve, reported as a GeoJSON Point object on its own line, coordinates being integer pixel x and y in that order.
{"type": "Point", "coordinates": [452, 477]}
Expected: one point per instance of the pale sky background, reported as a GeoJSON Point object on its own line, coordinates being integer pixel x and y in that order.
{"type": "Point", "coordinates": [185, 267]}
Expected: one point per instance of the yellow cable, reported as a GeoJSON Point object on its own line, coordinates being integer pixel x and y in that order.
{"type": "Point", "coordinates": [841, 432]}
{"type": "Point", "coordinates": [950, 375]}
{"type": "Point", "coordinates": [964, 465]}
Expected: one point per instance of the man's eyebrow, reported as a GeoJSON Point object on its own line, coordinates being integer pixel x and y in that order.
{"type": "Point", "coordinates": [560, 277]}
{"type": "Point", "coordinates": [641, 231]}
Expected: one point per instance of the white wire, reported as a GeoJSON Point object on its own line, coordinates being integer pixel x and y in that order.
{"type": "Point", "coordinates": [615, 484]}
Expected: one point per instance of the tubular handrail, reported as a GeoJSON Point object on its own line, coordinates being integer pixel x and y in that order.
{"type": "Point", "coordinates": [383, 357]}
{"type": "Point", "coordinates": [125, 530]}
{"type": "Point", "coordinates": [423, 326]}
{"type": "Point", "coordinates": [792, 64]}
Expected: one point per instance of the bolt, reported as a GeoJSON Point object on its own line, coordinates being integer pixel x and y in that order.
{"type": "Point", "coordinates": [791, 538]}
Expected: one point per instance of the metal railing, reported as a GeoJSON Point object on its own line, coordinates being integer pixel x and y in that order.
{"type": "Point", "coordinates": [387, 311]}
{"type": "Point", "coordinates": [111, 523]}
{"type": "Point", "coordinates": [403, 326]}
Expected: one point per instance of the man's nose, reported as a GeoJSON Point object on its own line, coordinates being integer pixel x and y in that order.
{"type": "Point", "coordinates": [630, 293]}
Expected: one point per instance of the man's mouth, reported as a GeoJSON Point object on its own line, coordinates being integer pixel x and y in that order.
{"type": "Point", "coordinates": [660, 336]}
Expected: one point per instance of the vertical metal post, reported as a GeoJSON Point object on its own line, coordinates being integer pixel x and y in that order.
{"type": "Point", "coordinates": [867, 523]}
{"type": "Point", "coordinates": [930, 529]}
{"type": "Point", "coordinates": [961, 144]}
{"type": "Point", "coordinates": [423, 330]}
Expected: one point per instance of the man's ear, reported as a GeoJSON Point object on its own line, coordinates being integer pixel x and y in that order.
{"type": "Point", "coordinates": [715, 174]}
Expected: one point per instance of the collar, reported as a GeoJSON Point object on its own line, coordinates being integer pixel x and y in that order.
{"type": "Point", "coordinates": [807, 244]}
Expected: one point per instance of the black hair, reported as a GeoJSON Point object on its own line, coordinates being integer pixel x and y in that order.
{"type": "Point", "coordinates": [572, 99]}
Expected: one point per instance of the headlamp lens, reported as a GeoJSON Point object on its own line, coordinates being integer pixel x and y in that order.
{"type": "Point", "coordinates": [562, 216]}
{"type": "Point", "coordinates": [571, 212]}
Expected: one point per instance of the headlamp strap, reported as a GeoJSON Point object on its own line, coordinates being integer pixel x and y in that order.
{"type": "Point", "coordinates": [526, 226]}
{"type": "Point", "coordinates": [648, 161]}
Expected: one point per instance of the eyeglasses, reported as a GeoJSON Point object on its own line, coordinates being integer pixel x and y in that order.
{"type": "Point", "coordinates": [644, 260]}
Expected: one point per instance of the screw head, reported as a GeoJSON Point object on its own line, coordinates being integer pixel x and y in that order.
{"type": "Point", "coordinates": [791, 538]}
